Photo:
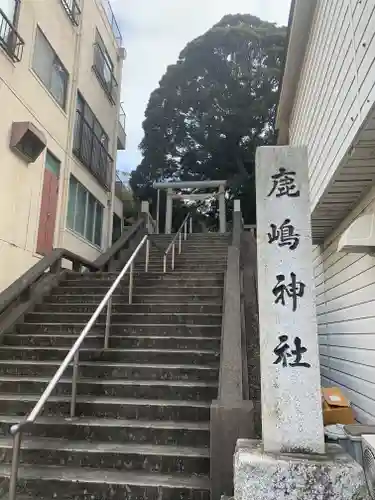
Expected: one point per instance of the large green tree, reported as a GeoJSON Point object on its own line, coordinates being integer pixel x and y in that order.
{"type": "Point", "coordinates": [213, 108]}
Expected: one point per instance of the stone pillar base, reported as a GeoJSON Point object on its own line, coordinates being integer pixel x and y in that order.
{"type": "Point", "coordinates": [265, 476]}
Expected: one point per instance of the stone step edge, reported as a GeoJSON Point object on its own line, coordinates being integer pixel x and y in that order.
{"type": "Point", "coordinates": [109, 400]}
{"type": "Point", "coordinates": [115, 381]}
{"type": "Point", "coordinates": [112, 422]}
{"type": "Point", "coordinates": [124, 325]}
{"type": "Point", "coordinates": [113, 336]}
{"type": "Point", "coordinates": [103, 447]}
{"type": "Point", "coordinates": [109, 364]}
{"type": "Point", "coordinates": [109, 350]}
{"type": "Point", "coordinates": [130, 313]}
{"type": "Point", "coordinates": [109, 477]}
{"type": "Point", "coordinates": [157, 304]}
{"type": "Point", "coordinates": [145, 296]}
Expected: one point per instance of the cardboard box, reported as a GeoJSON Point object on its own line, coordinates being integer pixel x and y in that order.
{"type": "Point", "coordinates": [336, 407]}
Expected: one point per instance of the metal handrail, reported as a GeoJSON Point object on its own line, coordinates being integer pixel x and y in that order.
{"type": "Point", "coordinates": [73, 355]}
{"type": "Point", "coordinates": [184, 227]}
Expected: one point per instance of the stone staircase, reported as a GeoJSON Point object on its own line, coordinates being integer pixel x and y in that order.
{"type": "Point", "coordinates": [143, 405]}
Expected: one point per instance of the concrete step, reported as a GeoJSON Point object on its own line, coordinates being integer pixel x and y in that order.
{"type": "Point", "coordinates": [184, 257]}
{"type": "Point", "coordinates": [116, 341]}
{"type": "Point", "coordinates": [126, 329]}
{"type": "Point", "coordinates": [104, 369]}
{"type": "Point", "coordinates": [167, 356]}
{"type": "Point", "coordinates": [66, 483]}
{"type": "Point", "coordinates": [214, 267]}
{"type": "Point", "coordinates": [134, 318]}
{"type": "Point", "coordinates": [123, 308]}
{"type": "Point", "coordinates": [110, 277]}
{"type": "Point", "coordinates": [123, 431]}
{"type": "Point", "coordinates": [110, 455]}
{"type": "Point", "coordinates": [137, 299]}
{"type": "Point", "coordinates": [161, 290]}
{"type": "Point", "coordinates": [109, 407]}
{"type": "Point", "coordinates": [188, 279]}
{"type": "Point", "coordinates": [117, 388]}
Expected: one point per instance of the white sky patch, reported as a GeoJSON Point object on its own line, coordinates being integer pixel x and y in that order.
{"type": "Point", "coordinates": [154, 33]}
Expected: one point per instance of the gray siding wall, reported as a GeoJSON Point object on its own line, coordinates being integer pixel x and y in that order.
{"type": "Point", "coordinates": [345, 301]}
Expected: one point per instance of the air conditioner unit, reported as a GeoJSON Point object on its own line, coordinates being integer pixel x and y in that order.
{"type": "Point", "coordinates": [368, 454]}
{"type": "Point", "coordinates": [27, 141]}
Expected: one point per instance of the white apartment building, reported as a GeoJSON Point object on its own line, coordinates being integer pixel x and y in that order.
{"type": "Point", "coordinates": [327, 103]}
{"type": "Point", "coordinates": [61, 124]}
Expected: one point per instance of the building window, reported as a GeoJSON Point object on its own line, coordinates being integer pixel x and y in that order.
{"type": "Point", "coordinates": [104, 69]}
{"type": "Point", "coordinates": [90, 143]}
{"type": "Point", "coordinates": [73, 10]}
{"type": "Point", "coordinates": [85, 213]}
{"type": "Point", "coordinates": [10, 40]}
{"type": "Point", "coordinates": [50, 69]}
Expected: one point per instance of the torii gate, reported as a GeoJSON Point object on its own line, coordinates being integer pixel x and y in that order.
{"type": "Point", "coordinates": [171, 187]}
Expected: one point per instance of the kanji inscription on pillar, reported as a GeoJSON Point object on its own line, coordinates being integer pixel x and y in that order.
{"type": "Point", "coordinates": [290, 372]}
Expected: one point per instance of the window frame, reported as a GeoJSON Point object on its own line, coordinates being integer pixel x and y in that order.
{"type": "Point", "coordinates": [96, 204]}
{"type": "Point", "coordinates": [88, 129]}
{"type": "Point", "coordinates": [101, 54]}
{"type": "Point", "coordinates": [55, 61]}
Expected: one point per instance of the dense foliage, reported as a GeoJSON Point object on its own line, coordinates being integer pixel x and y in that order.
{"type": "Point", "coordinates": [213, 108]}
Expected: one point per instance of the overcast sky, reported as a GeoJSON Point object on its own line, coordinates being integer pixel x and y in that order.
{"type": "Point", "coordinates": [154, 33]}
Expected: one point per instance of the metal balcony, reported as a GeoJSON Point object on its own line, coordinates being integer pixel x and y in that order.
{"type": "Point", "coordinates": [91, 152]}
{"type": "Point", "coordinates": [119, 187]}
{"type": "Point", "coordinates": [73, 10]}
{"type": "Point", "coordinates": [121, 135]}
{"type": "Point", "coordinates": [104, 73]}
{"type": "Point", "coordinates": [112, 21]}
{"type": "Point", "coordinates": [10, 40]}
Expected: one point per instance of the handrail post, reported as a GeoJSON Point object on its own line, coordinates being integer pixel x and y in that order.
{"type": "Point", "coordinates": [73, 401]}
{"type": "Point", "coordinates": [15, 465]}
{"type": "Point", "coordinates": [185, 230]}
{"type": "Point", "coordinates": [191, 225]}
{"type": "Point", "coordinates": [173, 255]}
{"type": "Point", "coordinates": [131, 283]}
{"type": "Point", "coordinates": [179, 242]}
{"type": "Point", "coordinates": [108, 323]}
{"type": "Point", "coordinates": [165, 263]}
{"type": "Point", "coordinates": [147, 255]}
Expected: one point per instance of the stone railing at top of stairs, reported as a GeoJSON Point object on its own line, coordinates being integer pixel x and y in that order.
{"type": "Point", "coordinates": [29, 289]}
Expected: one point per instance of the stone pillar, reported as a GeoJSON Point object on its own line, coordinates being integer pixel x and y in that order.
{"type": "Point", "coordinates": [292, 461]}
{"type": "Point", "coordinates": [145, 207]}
{"type": "Point", "coordinates": [168, 212]}
{"type": "Point", "coordinates": [237, 224]}
{"type": "Point", "coordinates": [222, 212]}
{"type": "Point", "coordinates": [290, 372]}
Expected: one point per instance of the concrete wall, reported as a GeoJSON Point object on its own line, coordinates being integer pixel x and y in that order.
{"type": "Point", "coordinates": [118, 207]}
{"type": "Point", "coordinates": [345, 298]}
{"type": "Point", "coordinates": [25, 98]}
{"type": "Point", "coordinates": [336, 86]}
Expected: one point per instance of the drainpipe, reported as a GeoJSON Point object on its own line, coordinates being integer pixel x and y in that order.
{"type": "Point", "coordinates": [121, 55]}
{"type": "Point", "coordinates": [64, 183]}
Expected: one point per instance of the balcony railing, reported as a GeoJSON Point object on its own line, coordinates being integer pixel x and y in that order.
{"type": "Point", "coordinates": [91, 152]}
{"type": "Point", "coordinates": [119, 187]}
{"type": "Point", "coordinates": [112, 21]}
{"type": "Point", "coordinates": [73, 10]}
{"type": "Point", "coordinates": [122, 118]}
{"type": "Point", "coordinates": [104, 72]}
{"type": "Point", "coordinates": [121, 135]}
{"type": "Point", "coordinates": [10, 40]}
